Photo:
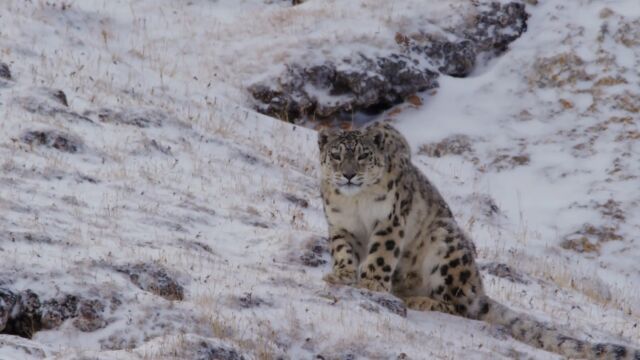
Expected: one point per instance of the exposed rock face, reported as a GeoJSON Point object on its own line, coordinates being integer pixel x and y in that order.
{"type": "Point", "coordinates": [53, 139]}
{"type": "Point", "coordinates": [55, 311]}
{"type": "Point", "coordinates": [217, 352]}
{"type": "Point", "coordinates": [154, 279]}
{"type": "Point", "coordinates": [5, 72]}
{"type": "Point", "coordinates": [90, 316]}
{"type": "Point", "coordinates": [451, 58]}
{"type": "Point", "coordinates": [23, 314]}
{"type": "Point", "coordinates": [497, 26]}
{"type": "Point", "coordinates": [8, 301]}
{"type": "Point", "coordinates": [362, 84]}
{"type": "Point", "coordinates": [142, 118]}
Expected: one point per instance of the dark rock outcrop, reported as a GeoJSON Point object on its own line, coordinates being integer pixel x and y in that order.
{"type": "Point", "coordinates": [23, 313]}
{"type": "Point", "coordinates": [363, 84]}
{"type": "Point", "coordinates": [316, 249]}
{"type": "Point", "coordinates": [142, 118]}
{"type": "Point", "coordinates": [338, 90]}
{"type": "Point", "coordinates": [497, 25]}
{"type": "Point", "coordinates": [208, 351]}
{"type": "Point", "coordinates": [53, 139]}
{"type": "Point", "coordinates": [451, 58]}
{"type": "Point", "coordinates": [154, 279]}
{"type": "Point", "coordinates": [55, 311]}
{"type": "Point", "coordinates": [89, 317]}
{"type": "Point", "coordinates": [60, 96]}
{"type": "Point", "coordinates": [5, 72]}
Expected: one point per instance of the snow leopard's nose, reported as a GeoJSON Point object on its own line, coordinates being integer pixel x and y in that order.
{"type": "Point", "coordinates": [349, 175]}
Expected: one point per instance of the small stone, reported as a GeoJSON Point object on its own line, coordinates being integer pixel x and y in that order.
{"type": "Point", "coordinates": [56, 311]}
{"type": "Point", "coordinates": [142, 118]}
{"type": "Point", "coordinates": [90, 316]}
{"type": "Point", "coordinates": [217, 352]}
{"type": "Point", "coordinates": [5, 72]}
{"type": "Point", "coordinates": [53, 139]}
{"type": "Point", "coordinates": [61, 97]}
{"type": "Point", "coordinates": [154, 279]}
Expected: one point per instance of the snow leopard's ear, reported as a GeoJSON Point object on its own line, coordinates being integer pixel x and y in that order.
{"type": "Point", "coordinates": [324, 136]}
{"type": "Point", "coordinates": [375, 132]}
{"type": "Point", "coordinates": [388, 139]}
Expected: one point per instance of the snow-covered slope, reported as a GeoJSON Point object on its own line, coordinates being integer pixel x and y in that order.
{"type": "Point", "coordinates": [155, 215]}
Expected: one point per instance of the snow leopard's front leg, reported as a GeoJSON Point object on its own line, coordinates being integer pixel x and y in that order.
{"type": "Point", "coordinates": [382, 258]}
{"type": "Point", "coordinates": [345, 259]}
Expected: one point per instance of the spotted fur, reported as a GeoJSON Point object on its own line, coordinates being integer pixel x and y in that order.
{"type": "Point", "coordinates": [391, 230]}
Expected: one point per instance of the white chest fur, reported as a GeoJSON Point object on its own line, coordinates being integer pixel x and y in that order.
{"type": "Point", "coordinates": [359, 213]}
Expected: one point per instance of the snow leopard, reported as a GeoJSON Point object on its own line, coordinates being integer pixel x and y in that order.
{"type": "Point", "coordinates": [390, 230]}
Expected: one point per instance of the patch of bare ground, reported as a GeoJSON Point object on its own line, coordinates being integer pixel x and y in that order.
{"type": "Point", "coordinates": [589, 237]}
{"type": "Point", "coordinates": [559, 71]}
{"type": "Point", "coordinates": [504, 161]}
{"type": "Point", "coordinates": [451, 145]}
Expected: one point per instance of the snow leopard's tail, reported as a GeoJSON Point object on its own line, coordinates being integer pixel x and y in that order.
{"type": "Point", "coordinates": [535, 333]}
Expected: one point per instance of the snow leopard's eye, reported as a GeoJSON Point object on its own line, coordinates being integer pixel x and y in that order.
{"type": "Point", "coordinates": [364, 156]}
{"type": "Point", "coordinates": [335, 154]}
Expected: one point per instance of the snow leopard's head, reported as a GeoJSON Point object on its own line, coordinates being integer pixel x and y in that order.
{"type": "Point", "coordinates": [354, 159]}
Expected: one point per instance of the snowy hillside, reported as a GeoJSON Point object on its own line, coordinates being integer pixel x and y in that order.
{"type": "Point", "coordinates": [147, 211]}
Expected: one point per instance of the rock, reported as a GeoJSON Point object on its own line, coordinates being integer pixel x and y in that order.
{"type": "Point", "coordinates": [50, 103]}
{"type": "Point", "coordinates": [7, 302]}
{"type": "Point", "coordinates": [248, 300]}
{"type": "Point", "coordinates": [142, 118]}
{"type": "Point", "coordinates": [285, 104]}
{"type": "Point", "coordinates": [24, 316]}
{"type": "Point", "coordinates": [316, 247]}
{"type": "Point", "coordinates": [56, 311]}
{"type": "Point", "coordinates": [385, 300]}
{"type": "Point", "coordinates": [53, 139]}
{"type": "Point", "coordinates": [154, 279]}
{"type": "Point", "coordinates": [26, 237]}
{"type": "Point", "coordinates": [217, 352]}
{"type": "Point", "coordinates": [504, 271]}
{"type": "Point", "coordinates": [296, 200]}
{"type": "Point", "coordinates": [451, 58]}
{"type": "Point", "coordinates": [559, 71]}
{"type": "Point", "coordinates": [5, 72]}
{"type": "Point", "coordinates": [60, 97]}
{"type": "Point", "coordinates": [589, 238]}
{"type": "Point", "coordinates": [497, 25]}
{"type": "Point", "coordinates": [90, 316]}
{"type": "Point", "coordinates": [451, 145]}
{"type": "Point", "coordinates": [504, 161]}
{"type": "Point", "coordinates": [154, 144]}
{"type": "Point", "coordinates": [338, 90]}
{"type": "Point", "coordinates": [336, 356]}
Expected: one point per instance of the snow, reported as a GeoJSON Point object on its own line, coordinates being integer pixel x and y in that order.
{"type": "Point", "coordinates": [226, 200]}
